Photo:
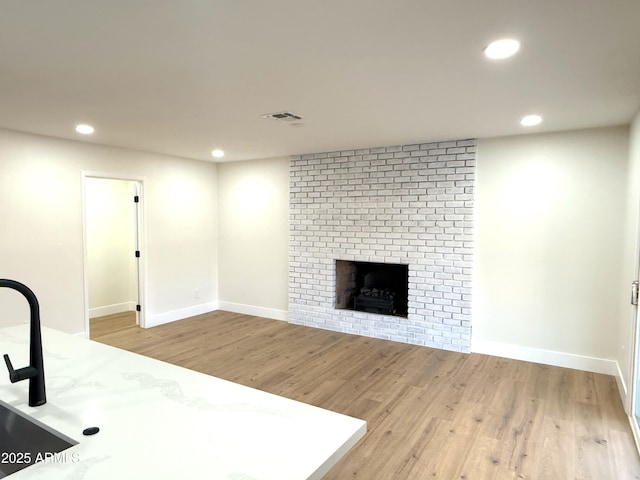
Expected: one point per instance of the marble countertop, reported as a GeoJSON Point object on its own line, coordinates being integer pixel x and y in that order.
{"type": "Point", "coordinates": [159, 421]}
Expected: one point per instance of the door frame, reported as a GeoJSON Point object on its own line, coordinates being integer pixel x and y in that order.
{"type": "Point", "coordinates": [633, 390]}
{"type": "Point", "coordinates": [141, 239]}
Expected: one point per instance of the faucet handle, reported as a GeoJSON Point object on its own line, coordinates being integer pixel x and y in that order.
{"type": "Point", "coordinates": [13, 374]}
{"type": "Point", "coordinates": [21, 373]}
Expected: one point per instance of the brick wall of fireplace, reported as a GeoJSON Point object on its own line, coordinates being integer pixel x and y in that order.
{"type": "Point", "coordinates": [409, 204]}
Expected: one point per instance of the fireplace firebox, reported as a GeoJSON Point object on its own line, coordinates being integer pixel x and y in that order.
{"type": "Point", "coordinates": [380, 288]}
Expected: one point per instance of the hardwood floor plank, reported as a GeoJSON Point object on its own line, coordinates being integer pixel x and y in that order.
{"type": "Point", "coordinates": [557, 453]}
{"type": "Point", "coordinates": [623, 454]}
{"type": "Point", "coordinates": [431, 414]}
{"type": "Point", "coordinates": [592, 453]}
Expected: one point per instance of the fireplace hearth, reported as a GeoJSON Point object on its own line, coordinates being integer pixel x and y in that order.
{"type": "Point", "coordinates": [380, 288]}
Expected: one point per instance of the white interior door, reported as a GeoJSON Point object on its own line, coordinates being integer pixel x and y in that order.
{"type": "Point", "coordinates": [112, 246]}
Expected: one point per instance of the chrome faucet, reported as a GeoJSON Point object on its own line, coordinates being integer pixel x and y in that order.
{"type": "Point", "coordinates": [35, 371]}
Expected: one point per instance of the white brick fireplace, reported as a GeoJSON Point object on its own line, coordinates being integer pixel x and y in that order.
{"type": "Point", "coordinates": [410, 205]}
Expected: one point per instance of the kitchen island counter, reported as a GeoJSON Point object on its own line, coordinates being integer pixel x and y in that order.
{"type": "Point", "coordinates": [160, 421]}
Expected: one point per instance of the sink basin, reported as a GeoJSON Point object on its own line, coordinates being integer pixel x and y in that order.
{"type": "Point", "coordinates": [24, 440]}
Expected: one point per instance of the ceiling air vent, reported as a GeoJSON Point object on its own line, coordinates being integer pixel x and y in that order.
{"type": "Point", "coordinates": [286, 117]}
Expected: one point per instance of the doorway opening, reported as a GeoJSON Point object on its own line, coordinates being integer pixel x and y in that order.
{"type": "Point", "coordinates": [112, 245]}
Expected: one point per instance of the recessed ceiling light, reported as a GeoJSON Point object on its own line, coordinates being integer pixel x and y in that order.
{"type": "Point", "coordinates": [217, 153]}
{"type": "Point", "coordinates": [503, 48]}
{"type": "Point", "coordinates": [531, 120]}
{"type": "Point", "coordinates": [84, 129]}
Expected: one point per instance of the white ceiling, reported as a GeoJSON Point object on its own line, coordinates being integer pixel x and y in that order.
{"type": "Point", "coordinates": [182, 77]}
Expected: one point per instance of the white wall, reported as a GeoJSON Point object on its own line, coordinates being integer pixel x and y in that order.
{"type": "Point", "coordinates": [549, 238]}
{"type": "Point", "coordinates": [549, 232]}
{"type": "Point", "coordinates": [253, 236]}
{"type": "Point", "coordinates": [550, 217]}
{"type": "Point", "coordinates": [110, 243]}
{"type": "Point", "coordinates": [41, 219]}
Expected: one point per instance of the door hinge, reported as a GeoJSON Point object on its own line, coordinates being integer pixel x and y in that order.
{"type": "Point", "coordinates": [136, 199]}
{"type": "Point", "coordinates": [137, 253]}
{"type": "Point", "coordinates": [138, 308]}
{"type": "Point", "coordinates": [634, 293]}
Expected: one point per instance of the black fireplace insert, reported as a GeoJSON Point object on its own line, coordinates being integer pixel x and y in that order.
{"type": "Point", "coordinates": [372, 287]}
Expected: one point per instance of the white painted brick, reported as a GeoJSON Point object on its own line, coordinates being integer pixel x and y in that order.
{"type": "Point", "coordinates": [456, 149]}
{"type": "Point", "coordinates": [409, 148]}
{"type": "Point", "coordinates": [384, 204]}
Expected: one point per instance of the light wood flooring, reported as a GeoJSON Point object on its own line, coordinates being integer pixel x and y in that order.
{"type": "Point", "coordinates": [431, 414]}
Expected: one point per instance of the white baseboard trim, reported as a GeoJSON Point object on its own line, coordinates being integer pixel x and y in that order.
{"type": "Point", "coordinates": [111, 309]}
{"type": "Point", "coordinates": [622, 389]}
{"type": "Point", "coordinates": [547, 357]}
{"type": "Point", "coordinates": [636, 432]}
{"type": "Point", "coordinates": [272, 313]}
{"type": "Point", "coordinates": [152, 320]}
